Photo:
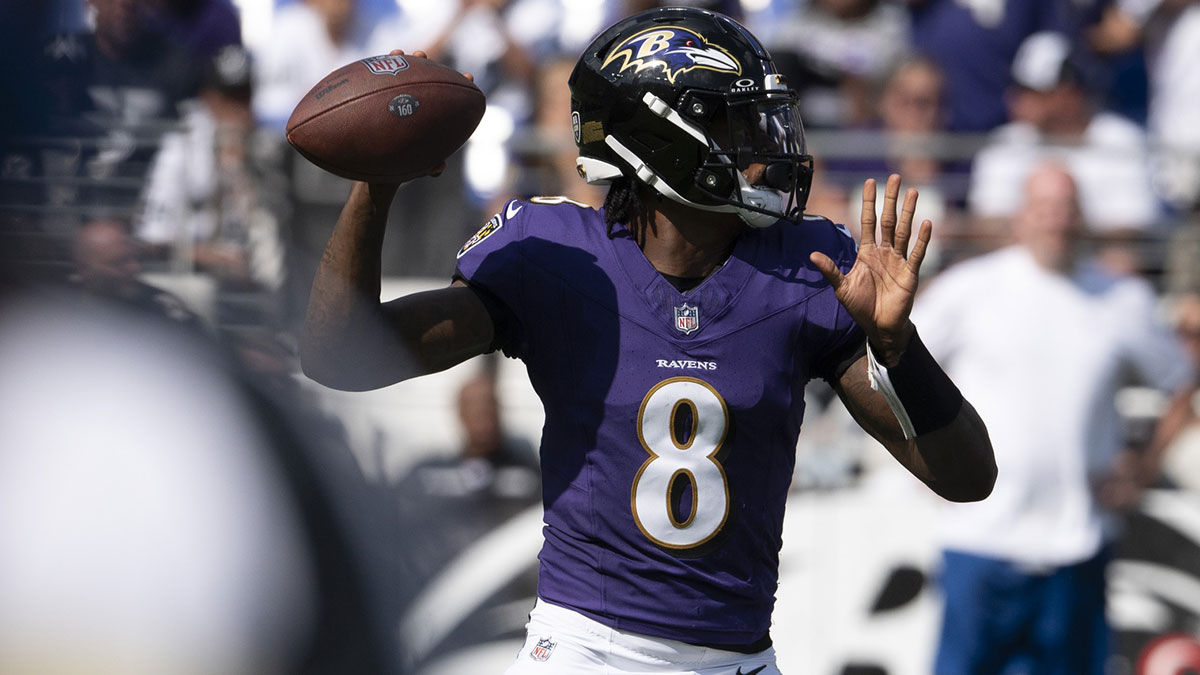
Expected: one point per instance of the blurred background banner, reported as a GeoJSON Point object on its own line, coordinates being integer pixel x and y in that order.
{"type": "Point", "coordinates": [158, 239]}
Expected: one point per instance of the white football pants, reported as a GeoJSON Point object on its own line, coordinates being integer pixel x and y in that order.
{"type": "Point", "coordinates": [562, 641]}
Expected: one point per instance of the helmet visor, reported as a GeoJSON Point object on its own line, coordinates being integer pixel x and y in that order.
{"type": "Point", "coordinates": [764, 129]}
{"type": "Point", "coordinates": [760, 139]}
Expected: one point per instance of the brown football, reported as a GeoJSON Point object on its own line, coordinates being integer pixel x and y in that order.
{"type": "Point", "coordinates": [385, 118]}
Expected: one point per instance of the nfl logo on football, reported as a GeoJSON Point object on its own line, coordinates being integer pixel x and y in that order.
{"type": "Point", "coordinates": [543, 649]}
{"type": "Point", "coordinates": [385, 65]}
{"type": "Point", "coordinates": [687, 318]}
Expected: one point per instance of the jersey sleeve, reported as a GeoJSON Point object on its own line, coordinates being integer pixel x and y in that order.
{"type": "Point", "coordinates": [491, 263]}
{"type": "Point", "coordinates": [844, 341]}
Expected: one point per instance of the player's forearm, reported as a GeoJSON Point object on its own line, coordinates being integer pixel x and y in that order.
{"type": "Point", "coordinates": [947, 441]}
{"type": "Point", "coordinates": [955, 461]}
{"type": "Point", "coordinates": [959, 464]}
{"type": "Point", "coordinates": [923, 421]}
{"type": "Point", "coordinates": [343, 328]}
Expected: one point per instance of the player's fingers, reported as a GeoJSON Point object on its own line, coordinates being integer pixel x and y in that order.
{"type": "Point", "coordinates": [828, 270]}
{"type": "Point", "coordinates": [396, 52]}
{"type": "Point", "coordinates": [904, 227]}
{"type": "Point", "coordinates": [887, 221]}
{"type": "Point", "coordinates": [867, 237]}
{"type": "Point", "coordinates": [420, 54]}
{"type": "Point", "coordinates": [922, 245]}
{"type": "Point", "coordinates": [469, 76]}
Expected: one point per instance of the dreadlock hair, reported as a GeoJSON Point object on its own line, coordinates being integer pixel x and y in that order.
{"type": "Point", "coordinates": [625, 204]}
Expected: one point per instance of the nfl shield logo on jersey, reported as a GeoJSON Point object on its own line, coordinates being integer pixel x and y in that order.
{"type": "Point", "coordinates": [543, 649]}
{"type": "Point", "coordinates": [687, 318]}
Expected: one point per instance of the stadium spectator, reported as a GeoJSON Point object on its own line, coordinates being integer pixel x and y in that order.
{"type": "Point", "coordinates": [730, 8]}
{"type": "Point", "coordinates": [912, 109]}
{"type": "Point", "coordinates": [836, 53]}
{"type": "Point", "coordinates": [203, 201]}
{"type": "Point", "coordinates": [669, 337]}
{"type": "Point", "coordinates": [553, 29]}
{"type": "Point", "coordinates": [114, 91]}
{"type": "Point", "coordinates": [1173, 51]}
{"type": "Point", "coordinates": [464, 493]}
{"type": "Point", "coordinates": [107, 266]}
{"type": "Point", "coordinates": [974, 43]}
{"type": "Point", "coordinates": [1042, 340]}
{"type": "Point", "coordinates": [478, 41]}
{"type": "Point", "coordinates": [332, 32]}
{"type": "Point", "coordinates": [1156, 41]}
{"type": "Point", "coordinates": [203, 27]}
{"type": "Point", "coordinates": [545, 152]}
{"type": "Point", "coordinates": [479, 38]}
{"type": "Point", "coordinates": [908, 136]}
{"type": "Point", "coordinates": [1054, 116]}
{"type": "Point", "coordinates": [476, 468]}
{"type": "Point", "coordinates": [1179, 433]}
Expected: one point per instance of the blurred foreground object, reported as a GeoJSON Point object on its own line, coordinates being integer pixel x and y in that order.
{"type": "Point", "coordinates": [144, 528]}
{"type": "Point", "coordinates": [162, 512]}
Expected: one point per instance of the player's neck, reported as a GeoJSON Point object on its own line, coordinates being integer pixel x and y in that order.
{"type": "Point", "coordinates": [686, 242]}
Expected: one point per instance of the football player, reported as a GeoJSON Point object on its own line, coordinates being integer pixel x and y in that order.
{"type": "Point", "coordinates": [669, 335]}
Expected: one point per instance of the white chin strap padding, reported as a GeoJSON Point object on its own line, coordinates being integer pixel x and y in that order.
{"type": "Point", "coordinates": [759, 197]}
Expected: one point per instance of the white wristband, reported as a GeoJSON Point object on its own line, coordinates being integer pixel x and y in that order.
{"type": "Point", "coordinates": [879, 382]}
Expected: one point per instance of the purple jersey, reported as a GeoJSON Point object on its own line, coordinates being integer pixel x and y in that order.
{"type": "Point", "coordinates": [671, 418]}
{"type": "Point", "coordinates": [974, 43]}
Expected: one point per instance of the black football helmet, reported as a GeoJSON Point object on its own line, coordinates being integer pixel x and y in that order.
{"type": "Point", "coordinates": [684, 100]}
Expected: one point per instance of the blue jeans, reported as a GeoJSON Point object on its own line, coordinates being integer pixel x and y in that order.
{"type": "Point", "coordinates": [1000, 619]}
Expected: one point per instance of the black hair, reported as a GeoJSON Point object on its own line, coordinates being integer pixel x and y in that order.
{"type": "Point", "coordinates": [625, 204]}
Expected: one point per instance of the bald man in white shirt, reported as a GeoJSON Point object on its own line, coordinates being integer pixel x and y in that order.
{"type": "Point", "coordinates": [1041, 341]}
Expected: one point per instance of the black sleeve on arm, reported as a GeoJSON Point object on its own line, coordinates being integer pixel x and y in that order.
{"type": "Point", "coordinates": [928, 395]}
{"type": "Point", "coordinates": [504, 322]}
{"type": "Point", "coordinates": [927, 398]}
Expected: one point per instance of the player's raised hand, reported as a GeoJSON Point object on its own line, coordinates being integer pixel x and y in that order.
{"type": "Point", "coordinates": [879, 289]}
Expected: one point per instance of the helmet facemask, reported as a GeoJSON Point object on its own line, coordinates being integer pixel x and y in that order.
{"type": "Point", "coordinates": [763, 132]}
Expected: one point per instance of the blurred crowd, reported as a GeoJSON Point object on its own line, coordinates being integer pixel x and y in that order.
{"type": "Point", "coordinates": [166, 116]}
{"type": "Point", "coordinates": [142, 157]}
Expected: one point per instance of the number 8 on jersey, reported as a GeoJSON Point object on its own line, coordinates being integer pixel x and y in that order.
{"type": "Point", "coordinates": [679, 459]}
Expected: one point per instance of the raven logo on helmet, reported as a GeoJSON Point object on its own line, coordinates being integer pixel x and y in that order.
{"type": "Point", "coordinates": [675, 50]}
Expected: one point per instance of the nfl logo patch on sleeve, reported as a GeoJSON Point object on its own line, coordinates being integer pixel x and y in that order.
{"type": "Point", "coordinates": [543, 649]}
